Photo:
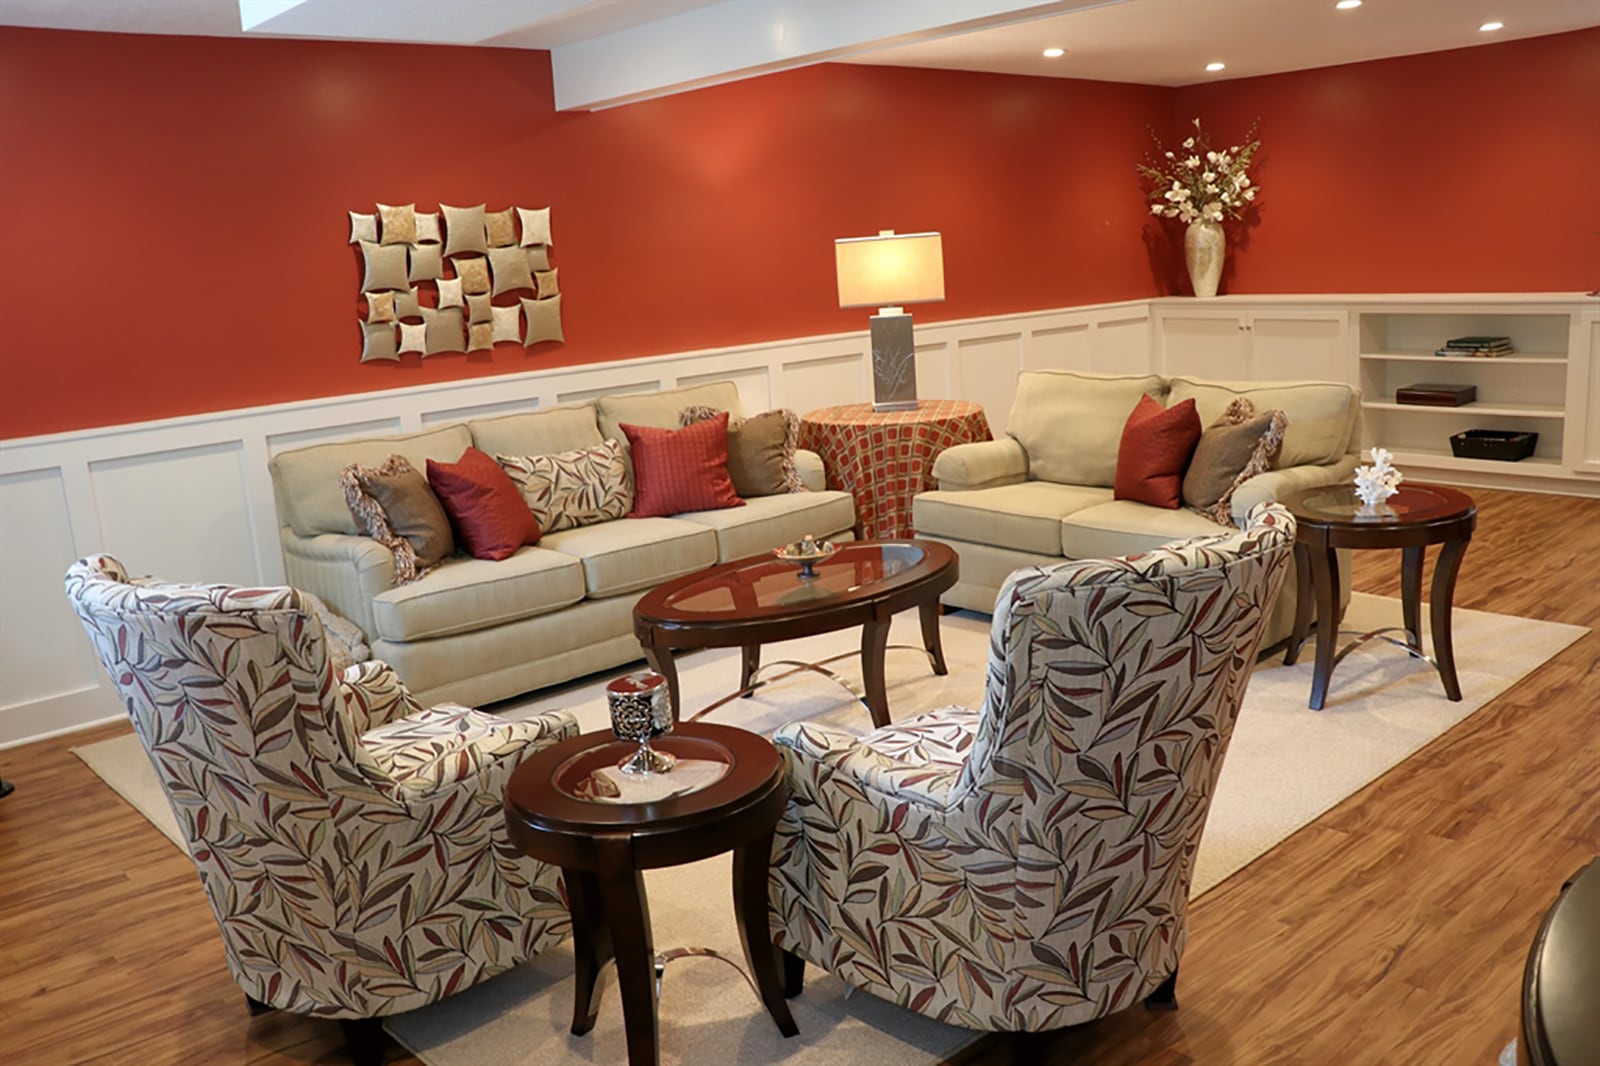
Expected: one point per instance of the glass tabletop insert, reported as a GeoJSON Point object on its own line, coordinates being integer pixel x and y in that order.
{"type": "Point", "coordinates": [774, 583]}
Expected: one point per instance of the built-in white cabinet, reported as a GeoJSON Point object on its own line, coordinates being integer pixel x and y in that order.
{"type": "Point", "coordinates": [1254, 343]}
{"type": "Point", "coordinates": [1583, 396]}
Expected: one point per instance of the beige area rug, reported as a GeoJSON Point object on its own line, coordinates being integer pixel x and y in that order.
{"type": "Point", "coordinates": [1286, 765]}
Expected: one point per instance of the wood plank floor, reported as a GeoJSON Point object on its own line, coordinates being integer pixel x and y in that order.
{"type": "Point", "coordinates": [1392, 930]}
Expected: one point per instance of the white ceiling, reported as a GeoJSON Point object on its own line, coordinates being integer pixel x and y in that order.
{"type": "Point", "coordinates": [606, 52]}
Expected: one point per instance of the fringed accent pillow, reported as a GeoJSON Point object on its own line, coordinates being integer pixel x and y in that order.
{"type": "Point", "coordinates": [396, 508]}
{"type": "Point", "coordinates": [1233, 449]}
{"type": "Point", "coordinates": [760, 449]}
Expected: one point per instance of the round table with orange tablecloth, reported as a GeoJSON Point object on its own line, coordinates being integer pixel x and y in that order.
{"type": "Point", "coordinates": [883, 458]}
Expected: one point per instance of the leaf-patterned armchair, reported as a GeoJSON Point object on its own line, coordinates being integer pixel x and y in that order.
{"type": "Point", "coordinates": [1027, 866]}
{"type": "Point", "coordinates": [351, 843]}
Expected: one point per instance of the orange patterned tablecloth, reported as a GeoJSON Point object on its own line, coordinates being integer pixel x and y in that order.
{"type": "Point", "coordinates": [883, 458]}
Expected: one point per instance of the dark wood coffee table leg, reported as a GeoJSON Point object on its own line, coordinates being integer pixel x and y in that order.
{"type": "Point", "coordinates": [1303, 604]}
{"type": "Point", "coordinates": [929, 613]}
{"type": "Point", "coordinates": [660, 660]}
{"type": "Point", "coordinates": [591, 946]}
{"type": "Point", "coordinates": [1443, 596]}
{"type": "Point", "coordinates": [1325, 576]}
{"type": "Point", "coordinates": [749, 664]}
{"type": "Point", "coordinates": [874, 639]}
{"type": "Point", "coordinates": [751, 861]}
{"type": "Point", "coordinates": [1411, 560]}
{"type": "Point", "coordinates": [627, 914]}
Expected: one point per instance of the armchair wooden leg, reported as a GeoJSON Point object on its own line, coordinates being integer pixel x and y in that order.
{"type": "Point", "coordinates": [1165, 997]}
{"type": "Point", "coordinates": [256, 1007]}
{"type": "Point", "coordinates": [364, 1038]}
{"type": "Point", "coordinates": [794, 974]}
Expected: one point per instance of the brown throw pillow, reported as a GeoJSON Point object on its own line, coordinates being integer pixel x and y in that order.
{"type": "Point", "coordinates": [395, 506]}
{"type": "Point", "coordinates": [1232, 450]}
{"type": "Point", "coordinates": [760, 449]}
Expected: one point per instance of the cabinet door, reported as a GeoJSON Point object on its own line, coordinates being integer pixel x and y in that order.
{"type": "Point", "coordinates": [1299, 346]}
{"type": "Point", "coordinates": [1205, 344]}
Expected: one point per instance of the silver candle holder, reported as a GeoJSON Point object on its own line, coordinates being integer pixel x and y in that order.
{"type": "Point", "coordinates": [641, 710]}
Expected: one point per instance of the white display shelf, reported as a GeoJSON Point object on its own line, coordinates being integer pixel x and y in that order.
{"type": "Point", "coordinates": [1429, 357]}
{"type": "Point", "coordinates": [1515, 410]}
{"type": "Point", "coordinates": [1444, 460]}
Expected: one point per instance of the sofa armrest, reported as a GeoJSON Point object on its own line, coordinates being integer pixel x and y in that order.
{"type": "Point", "coordinates": [1276, 484]}
{"type": "Point", "coordinates": [345, 571]}
{"type": "Point", "coordinates": [811, 469]}
{"type": "Point", "coordinates": [981, 464]}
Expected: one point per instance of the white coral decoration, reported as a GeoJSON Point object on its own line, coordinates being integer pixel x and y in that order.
{"type": "Point", "coordinates": [1377, 482]}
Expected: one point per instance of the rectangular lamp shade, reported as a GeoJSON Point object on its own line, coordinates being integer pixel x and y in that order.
{"type": "Point", "coordinates": [889, 269]}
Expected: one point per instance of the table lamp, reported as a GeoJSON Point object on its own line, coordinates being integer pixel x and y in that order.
{"type": "Point", "coordinates": [885, 272]}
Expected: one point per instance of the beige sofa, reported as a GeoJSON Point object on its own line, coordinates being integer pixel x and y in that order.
{"type": "Point", "coordinates": [1042, 492]}
{"type": "Point", "coordinates": [476, 631]}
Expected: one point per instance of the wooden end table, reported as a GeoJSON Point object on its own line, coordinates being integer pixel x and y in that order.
{"type": "Point", "coordinates": [1417, 515]}
{"type": "Point", "coordinates": [602, 847]}
{"type": "Point", "coordinates": [760, 600]}
{"type": "Point", "coordinates": [1561, 982]}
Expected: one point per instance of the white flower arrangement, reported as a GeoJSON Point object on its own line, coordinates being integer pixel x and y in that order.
{"type": "Point", "coordinates": [1376, 483]}
{"type": "Point", "coordinates": [1202, 184]}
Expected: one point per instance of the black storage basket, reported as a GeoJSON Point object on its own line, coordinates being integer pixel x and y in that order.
{"type": "Point", "coordinates": [1493, 444]}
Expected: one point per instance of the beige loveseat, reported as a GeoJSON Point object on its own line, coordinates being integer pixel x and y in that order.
{"type": "Point", "coordinates": [1043, 491]}
{"type": "Point", "coordinates": [474, 630]}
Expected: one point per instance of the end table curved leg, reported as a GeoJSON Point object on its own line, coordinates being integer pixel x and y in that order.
{"type": "Point", "coordinates": [930, 636]}
{"type": "Point", "coordinates": [1325, 576]}
{"type": "Point", "coordinates": [751, 862]}
{"type": "Point", "coordinates": [591, 946]}
{"type": "Point", "coordinates": [660, 660]}
{"type": "Point", "coordinates": [1443, 594]}
{"type": "Point", "coordinates": [749, 666]}
{"type": "Point", "coordinates": [627, 915]}
{"type": "Point", "coordinates": [874, 639]}
{"type": "Point", "coordinates": [1304, 601]}
{"type": "Point", "coordinates": [1411, 560]}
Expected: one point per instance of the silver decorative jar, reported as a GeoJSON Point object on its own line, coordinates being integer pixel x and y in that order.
{"type": "Point", "coordinates": [641, 709]}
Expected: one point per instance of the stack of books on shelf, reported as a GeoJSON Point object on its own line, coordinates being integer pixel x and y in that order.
{"type": "Point", "coordinates": [1478, 347]}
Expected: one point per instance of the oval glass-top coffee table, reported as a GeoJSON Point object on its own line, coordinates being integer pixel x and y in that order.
{"type": "Point", "coordinates": [762, 599]}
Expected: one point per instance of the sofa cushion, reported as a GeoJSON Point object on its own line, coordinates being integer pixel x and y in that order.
{"type": "Point", "coordinates": [306, 480]}
{"type": "Point", "coordinates": [768, 521]}
{"type": "Point", "coordinates": [1025, 517]}
{"type": "Point", "coordinates": [1070, 422]}
{"type": "Point", "coordinates": [1322, 414]}
{"type": "Point", "coordinates": [1124, 527]}
{"type": "Point", "coordinates": [1156, 445]}
{"type": "Point", "coordinates": [560, 429]}
{"type": "Point", "coordinates": [636, 553]}
{"type": "Point", "coordinates": [661, 409]}
{"type": "Point", "coordinates": [464, 595]}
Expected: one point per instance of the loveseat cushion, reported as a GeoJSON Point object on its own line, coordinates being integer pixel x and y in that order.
{"type": "Point", "coordinates": [660, 410]}
{"type": "Point", "coordinates": [635, 553]}
{"type": "Point", "coordinates": [560, 429]}
{"type": "Point", "coordinates": [1070, 422]}
{"type": "Point", "coordinates": [464, 595]}
{"type": "Point", "coordinates": [1025, 517]}
{"type": "Point", "coordinates": [1322, 414]}
{"type": "Point", "coordinates": [765, 522]}
{"type": "Point", "coordinates": [305, 481]}
{"type": "Point", "coordinates": [1125, 527]}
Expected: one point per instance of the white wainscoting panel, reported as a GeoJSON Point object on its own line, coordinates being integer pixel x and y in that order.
{"type": "Point", "coordinates": [986, 372]}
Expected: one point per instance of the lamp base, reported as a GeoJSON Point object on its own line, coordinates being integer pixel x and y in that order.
{"type": "Point", "coordinates": [894, 363]}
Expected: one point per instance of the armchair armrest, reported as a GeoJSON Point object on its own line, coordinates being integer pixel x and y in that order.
{"type": "Point", "coordinates": [816, 756]}
{"type": "Point", "coordinates": [345, 571]}
{"type": "Point", "coordinates": [981, 464]}
{"type": "Point", "coordinates": [419, 758]}
{"type": "Point", "coordinates": [811, 469]}
{"type": "Point", "coordinates": [1276, 484]}
{"type": "Point", "coordinates": [374, 696]}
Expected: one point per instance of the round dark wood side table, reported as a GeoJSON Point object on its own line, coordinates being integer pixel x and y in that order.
{"type": "Point", "coordinates": [1561, 983]}
{"type": "Point", "coordinates": [602, 847]}
{"type": "Point", "coordinates": [1329, 518]}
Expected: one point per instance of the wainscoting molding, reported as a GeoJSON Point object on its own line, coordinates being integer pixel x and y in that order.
{"type": "Point", "coordinates": [189, 498]}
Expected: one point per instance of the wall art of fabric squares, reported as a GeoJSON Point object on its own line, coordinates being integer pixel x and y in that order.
{"type": "Point", "coordinates": [407, 306]}
{"type": "Point", "coordinates": [443, 330]}
{"type": "Point", "coordinates": [474, 274]}
{"type": "Point", "coordinates": [539, 257]}
{"type": "Point", "coordinates": [377, 342]}
{"type": "Point", "coordinates": [463, 229]}
{"type": "Point", "coordinates": [501, 228]}
{"type": "Point", "coordinates": [479, 309]}
{"type": "Point", "coordinates": [480, 336]}
{"type": "Point", "coordinates": [544, 320]}
{"type": "Point", "coordinates": [427, 262]}
{"type": "Point", "coordinates": [363, 228]}
{"type": "Point", "coordinates": [380, 306]}
{"type": "Point", "coordinates": [449, 292]}
{"type": "Point", "coordinates": [535, 225]}
{"type": "Point", "coordinates": [510, 267]}
{"type": "Point", "coordinates": [547, 283]}
{"type": "Point", "coordinates": [385, 267]}
{"type": "Point", "coordinates": [413, 337]}
{"type": "Point", "coordinates": [428, 231]}
{"type": "Point", "coordinates": [399, 223]}
{"type": "Point", "coordinates": [507, 323]}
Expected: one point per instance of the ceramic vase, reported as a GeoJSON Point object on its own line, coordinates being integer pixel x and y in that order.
{"type": "Point", "coordinates": [1203, 249]}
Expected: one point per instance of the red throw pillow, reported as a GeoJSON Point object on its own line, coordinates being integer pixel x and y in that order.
{"type": "Point", "coordinates": [489, 514]}
{"type": "Point", "coordinates": [1156, 445]}
{"type": "Point", "coordinates": [678, 470]}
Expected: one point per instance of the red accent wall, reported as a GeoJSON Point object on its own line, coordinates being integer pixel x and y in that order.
{"type": "Point", "coordinates": [176, 207]}
{"type": "Point", "coordinates": [1473, 170]}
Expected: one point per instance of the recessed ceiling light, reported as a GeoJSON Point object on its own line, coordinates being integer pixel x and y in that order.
{"type": "Point", "coordinates": [1490, 27]}
{"type": "Point", "coordinates": [1213, 67]}
{"type": "Point", "coordinates": [1054, 53]}
{"type": "Point", "coordinates": [1346, 5]}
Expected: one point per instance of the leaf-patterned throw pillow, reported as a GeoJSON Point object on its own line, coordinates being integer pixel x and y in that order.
{"type": "Point", "coordinates": [760, 449]}
{"type": "Point", "coordinates": [1232, 450]}
{"type": "Point", "coordinates": [571, 489]}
